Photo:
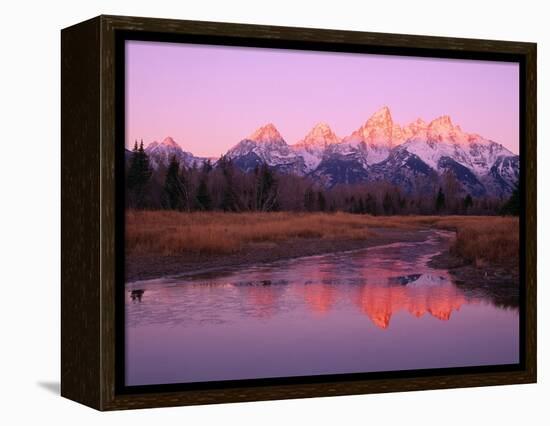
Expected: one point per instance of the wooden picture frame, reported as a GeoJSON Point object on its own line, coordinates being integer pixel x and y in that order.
{"type": "Point", "coordinates": [91, 214]}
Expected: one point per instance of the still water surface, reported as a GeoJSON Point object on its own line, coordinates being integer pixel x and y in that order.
{"type": "Point", "coordinates": [377, 309]}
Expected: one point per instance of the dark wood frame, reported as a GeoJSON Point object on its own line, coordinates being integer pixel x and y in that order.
{"type": "Point", "coordinates": [90, 209]}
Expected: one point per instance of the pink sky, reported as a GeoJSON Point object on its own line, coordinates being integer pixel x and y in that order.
{"type": "Point", "coordinates": [208, 98]}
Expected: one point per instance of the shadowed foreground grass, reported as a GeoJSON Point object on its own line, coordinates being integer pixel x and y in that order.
{"type": "Point", "coordinates": [479, 239]}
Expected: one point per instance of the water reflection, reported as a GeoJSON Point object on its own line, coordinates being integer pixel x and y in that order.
{"type": "Point", "coordinates": [312, 304]}
{"type": "Point", "coordinates": [427, 294]}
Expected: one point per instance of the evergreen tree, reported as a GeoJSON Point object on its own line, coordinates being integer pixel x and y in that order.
{"type": "Point", "coordinates": [352, 204]}
{"type": "Point", "coordinates": [513, 205]}
{"type": "Point", "coordinates": [230, 199]}
{"type": "Point", "coordinates": [203, 195]}
{"type": "Point", "coordinates": [139, 174]}
{"type": "Point", "coordinates": [266, 189]}
{"type": "Point", "coordinates": [468, 203]}
{"type": "Point", "coordinates": [387, 204]}
{"type": "Point", "coordinates": [440, 201]}
{"type": "Point", "coordinates": [402, 202]}
{"type": "Point", "coordinates": [361, 207]}
{"type": "Point", "coordinates": [309, 200]}
{"type": "Point", "coordinates": [321, 201]}
{"type": "Point", "coordinates": [175, 191]}
{"type": "Point", "coordinates": [370, 205]}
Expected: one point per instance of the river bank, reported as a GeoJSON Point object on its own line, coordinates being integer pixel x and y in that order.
{"type": "Point", "coordinates": [500, 281]}
{"type": "Point", "coordinates": [483, 255]}
{"type": "Point", "coordinates": [142, 267]}
{"type": "Point", "coordinates": [384, 308]}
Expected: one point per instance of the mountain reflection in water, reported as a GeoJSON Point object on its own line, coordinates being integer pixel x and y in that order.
{"type": "Point", "coordinates": [307, 316]}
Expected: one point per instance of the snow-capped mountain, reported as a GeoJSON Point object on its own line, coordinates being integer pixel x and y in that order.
{"type": "Point", "coordinates": [409, 156]}
{"type": "Point", "coordinates": [503, 175]}
{"type": "Point", "coordinates": [412, 157]}
{"type": "Point", "coordinates": [337, 169]}
{"type": "Point", "coordinates": [161, 153]}
{"type": "Point", "coordinates": [404, 169]}
{"type": "Point", "coordinates": [266, 145]}
{"type": "Point", "coordinates": [441, 138]}
{"type": "Point", "coordinates": [466, 177]}
{"type": "Point", "coordinates": [445, 148]}
{"type": "Point", "coordinates": [313, 147]}
{"type": "Point", "coordinates": [373, 141]}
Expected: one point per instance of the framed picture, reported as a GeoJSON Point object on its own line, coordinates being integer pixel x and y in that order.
{"type": "Point", "coordinates": [255, 212]}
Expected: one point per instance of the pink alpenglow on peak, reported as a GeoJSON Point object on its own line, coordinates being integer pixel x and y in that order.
{"type": "Point", "coordinates": [417, 125]}
{"type": "Point", "coordinates": [169, 141]}
{"type": "Point", "coordinates": [313, 146]}
{"type": "Point", "coordinates": [266, 134]}
{"type": "Point", "coordinates": [166, 142]}
{"type": "Point", "coordinates": [380, 124]}
{"type": "Point", "coordinates": [442, 129]}
{"type": "Point", "coordinates": [374, 140]}
{"type": "Point", "coordinates": [441, 126]}
{"type": "Point", "coordinates": [379, 130]}
{"type": "Point", "coordinates": [333, 86]}
{"type": "Point", "coordinates": [443, 121]}
{"type": "Point", "coordinates": [382, 117]}
{"type": "Point", "coordinates": [321, 135]}
{"type": "Point", "coordinates": [162, 153]}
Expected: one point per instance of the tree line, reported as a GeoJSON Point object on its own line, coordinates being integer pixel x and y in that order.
{"type": "Point", "coordinates": [225, 187]}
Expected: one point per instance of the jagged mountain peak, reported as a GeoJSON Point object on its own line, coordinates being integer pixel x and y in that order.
{"type": "Point", "coordinates": [378, 132]}
{"type": "Point", "coordinates": [266, 134]}
{"type": "Point", "coordinates": [383, 115]}
{"type": "Point", "coordinates": [161, 153]}
{"type": "Point", "coordinates": [169, 141]}
{"type": "Point", "coordinates": [266, 145]}
{"type": "Point", "coordinates": [320, 135]}
{"type": "Point", "coordinates": [321, 127]}
{"type": "Point", "coordinates": [378, 126]}
{"type": "Point", "coordinates": [442, 129]}
{"type": "Point", "coordinates": [443, 122]}
{"type": "Point", "coordinates": [420, 121]}
{"type": "Point", "coordinates": [380, 150]}
{"type": "Point", "coordinates": [417, 124]}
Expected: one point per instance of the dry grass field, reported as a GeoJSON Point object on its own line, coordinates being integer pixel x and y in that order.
{"type": "Point", "coordinates": [484, 238]}
{"type": "Point", "coordinates": [480, 239]}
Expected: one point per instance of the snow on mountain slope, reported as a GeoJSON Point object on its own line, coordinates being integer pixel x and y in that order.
{"type": "Point", "coordinates": [336, 170]}
{"type": "Point", "coordinates": [503, 176]}
{"type": "Point", "coordinates": [161, 153]}
{"type": "Point", "coordinates": [379, 131]}
{"type": "Point", "coordinates": [266, 145]}
{"type": "Point", "coordinates": [403, 169]}
{"type": "Point", "coordinates": [379, 150]}
{"type": "Point", "coordinates": [443, 139]}
{"type": "Point", "coordinates": [373, 141]}
{"type": "Point", "coordinates": [313, 146]}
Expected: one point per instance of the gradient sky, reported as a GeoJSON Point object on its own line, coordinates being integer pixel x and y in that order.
{"type": "Point", "coordinates": [208, 98]}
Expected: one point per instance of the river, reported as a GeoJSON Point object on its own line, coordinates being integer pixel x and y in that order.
{"type": "Point", "coordinates": [377, 309]}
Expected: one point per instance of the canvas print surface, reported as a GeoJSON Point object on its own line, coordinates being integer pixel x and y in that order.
{"type": "Point", "coordinates": [298, 213]}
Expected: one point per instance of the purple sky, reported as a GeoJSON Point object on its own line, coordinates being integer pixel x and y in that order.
{"type": "Point", "coordinates": [208, 98]}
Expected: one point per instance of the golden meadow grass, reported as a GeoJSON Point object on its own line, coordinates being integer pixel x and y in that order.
{"type": "Point", "coordinates": [169, 232]}
{"type": "Point", "coordinates": [485, 239]}
{"type": "Point", "coordinates": [479, 238]}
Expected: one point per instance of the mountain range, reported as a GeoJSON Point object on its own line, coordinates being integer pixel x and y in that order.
{"type": "Point", "coordinates": [379, 150]}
